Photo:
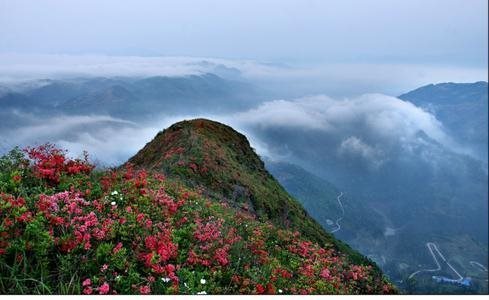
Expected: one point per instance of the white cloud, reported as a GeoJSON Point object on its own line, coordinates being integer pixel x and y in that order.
{"type": "Point", "coordinates": [353, 146]}
{"type": "Point", "coordinates": [380, 115]}
{"type": "Point", "coordinates": [107, 139]}
{"type": "Point", "coordinates": [371, 127]}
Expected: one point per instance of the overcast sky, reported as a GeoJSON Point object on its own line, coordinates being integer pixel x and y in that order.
{"type": "Point", "coordinates": [442, 32]}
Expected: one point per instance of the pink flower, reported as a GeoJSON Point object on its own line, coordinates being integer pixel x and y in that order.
{"type": "Point", "coordinates": [221, 256]}
{"type": "Point", "coordinates": [104, 268]}
{"type": "Point", "coordinates": [87, 291]}
{"type": "Point", "coordinates": [140, 217]}
{"type": "Point", "coordinates": [208, 232]}
{"type": "Point", "coordinates": [307, 270]}
{"type": "Point", "coordinates": [87, 282]}
{"type": "Point", "coordinates": [145, 290]}
{"type": "Point", "coordinates": [149, 223]}
{"type": "Point", "coordinates": [104, 289]}
{"type": "Point", "coordinates": [325, 274]}
{"type": "Point", "coordinates": [117, 248]}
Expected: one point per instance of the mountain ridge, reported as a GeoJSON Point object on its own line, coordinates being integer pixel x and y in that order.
{"type": "Point", "coordinates": [236, 174]}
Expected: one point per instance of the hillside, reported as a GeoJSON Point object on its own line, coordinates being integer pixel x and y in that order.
{"type": "Point", "coordinates": [320, 198]}
{"type": "Point", "coordinates": [67, 228]}
{"type": "Point", "coordinates": [316, 195]}
{"type": "Point", "coordinates": [218, 159]}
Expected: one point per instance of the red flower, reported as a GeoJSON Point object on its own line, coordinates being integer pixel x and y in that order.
{"type": "Point", "coordinates": [159, 177]}
{"type": "Point", "coordinates": [170, 268]}
{"type": "Point", "coordinates": [208, 232]}
{"type": "Point", "coordinates": [271, 289]}
{"type": "Point", "coordinates": [140, 217]}
{"type": "Point", "coordinates": [141, 179]}
{"type": "Point", "coordinates": [50, 162]}
{"type": "Point", "coordinates": [148, 224]}
{"type": "Point", "coordinates": [260, 289]}
{"type": "Point", "coordinates": [7, 222]}
{"type": "Point", "coordinates": [162, 198]}
{"type": "Point", "coordinates": [129, 171]}
{"type": "Point", "coordinates": [221, 256]}
{"type": "Point", "coordinates": [117, 248]}
{"type": "Point", "coordinates": [145, 290]}
{"type": "Point", "coordinates": [286, 274]}
{"type": "Point", "coordinates": [25, 217]}
{"type": "Point", "coordinates": [307, 270]}
{"type": "Point", "coordinates": [193, 166]}
{"type": "Point", "coordinates": [17, 178]}
{"type": "Point", "coordinates": [161, 249]}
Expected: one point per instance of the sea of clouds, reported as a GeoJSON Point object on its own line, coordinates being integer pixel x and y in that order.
{"type": "Point", "coordinates": [371, 128]}
{"type": "Point", "coordinates": [352, 123]}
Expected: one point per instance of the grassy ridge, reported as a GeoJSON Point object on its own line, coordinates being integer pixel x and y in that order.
{"type": "Point", "coordinates": [220, 160]}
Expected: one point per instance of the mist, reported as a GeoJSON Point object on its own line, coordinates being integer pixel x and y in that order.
{"type": "Point", "coordinates": [287, 80]}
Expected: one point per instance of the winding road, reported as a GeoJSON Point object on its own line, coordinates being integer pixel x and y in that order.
{"type": "Point", "coordinates": [479, 266]}
{"type": "Point", "coordinates": [474, 263]}
{"type": "Point", "coordinates": [338, 226]}
{"type": "Point", "coordinates": [432, 247]}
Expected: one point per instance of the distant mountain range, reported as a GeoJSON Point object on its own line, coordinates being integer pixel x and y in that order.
{"type": "Point", "coordinates": [131, 98]}
{"type": "Point", "coordinates": [461, 107]}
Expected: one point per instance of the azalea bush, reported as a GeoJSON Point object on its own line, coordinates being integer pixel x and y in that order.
{"type": "Point", "coordinates": [67, 228]}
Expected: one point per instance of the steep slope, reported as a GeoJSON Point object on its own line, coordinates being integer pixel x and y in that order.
{"type": "Point", "coordinates": [316, 195]}
{"type": "Point", "coordinates": [320, 198]}
{"type": "Point", "coordinates": [218, 159]}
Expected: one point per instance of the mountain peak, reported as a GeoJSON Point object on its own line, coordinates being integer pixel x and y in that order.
{"type": "Point", "coordinates": [213, 155]}
{"type": "Point", "coordinates": [448, 93]}
{"type": "Point", "coordinates": [220, 161]}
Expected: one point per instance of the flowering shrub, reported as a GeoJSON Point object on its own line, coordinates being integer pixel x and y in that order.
{"type": "Point", "coordinates": [66, 228]}
{"type": "Point", "coordinates": [50, 163]}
